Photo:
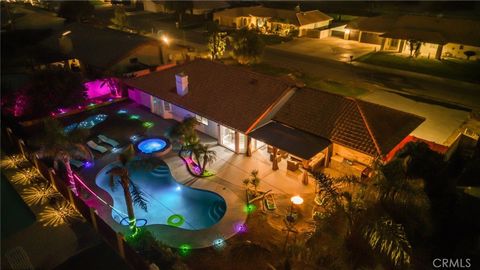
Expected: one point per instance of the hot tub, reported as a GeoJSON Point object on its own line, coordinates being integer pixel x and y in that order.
{"type": "Point", "coordinates": [153, 146]}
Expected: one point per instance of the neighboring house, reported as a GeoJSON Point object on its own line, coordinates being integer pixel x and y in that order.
{"type": "Point", "coordinates": [199, 7]}
{"type": "Point", "coordinates": [23, 18]}
{"type": "Point", "coordinates": [244, 111]}
{"type": "Point", "coordinates": [278, 21]}
{"type": "Point", "coordinates": [439, 37]}
{"type": "Point", "coordinates": [101, 49]}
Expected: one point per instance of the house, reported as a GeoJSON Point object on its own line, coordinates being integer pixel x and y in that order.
{"type": "Point", "coordinates": [437, 37]}
{"type": "Point", "coordinates": [245, 111]}
{"type": "Point", "coordinates": [101, 49]}
{"type": "Point", "coordinates": [271, 20]}
{"type": "Point", "coordinates": [198, 7]}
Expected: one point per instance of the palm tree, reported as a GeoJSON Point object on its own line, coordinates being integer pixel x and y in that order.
{"type": "Point", "coordinates": [133, 195]}
{"type": "Point", "coordinates": [254, 179]}
{"type": "Point", "coordinates": [55, 143]}
{"type": "Point", "coordinates": [184, 132]}
{"type": "Point", "coordinates": [204, 156]}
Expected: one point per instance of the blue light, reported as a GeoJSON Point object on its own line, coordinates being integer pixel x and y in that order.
{"type": "Point", "coordinates": [88, 164]}
{"type": "Point", "coordinates": [152, 145]}
{"type": "Point", "coordinates": [219, 243]}
{"type": "Point", "coordinates": [122, 111]}
{"type": "Point", "coordinates": [92, 121]}
{"type": "Point", "coordinates": [178, 188]}
{"type": "Point", "coordinates": [134, 138]}
{"type": "Point", "coordinates": [116, 149]}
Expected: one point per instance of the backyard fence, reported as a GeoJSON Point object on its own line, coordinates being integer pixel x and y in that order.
{"type": "Point", "coordinates": [114, 239]}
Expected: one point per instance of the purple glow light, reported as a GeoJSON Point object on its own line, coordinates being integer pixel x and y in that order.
{"type": "Point", "coordinates": [88, 164]}
{"type": "Point", "coordinates": [97, 88]}
{"type": "Point", "coordinates": [241, 227]}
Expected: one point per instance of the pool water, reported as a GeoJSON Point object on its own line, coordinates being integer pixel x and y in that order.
{"type": "Point", "coordinates": [200, 209]}
{"type": "Point", "coordinates": [149, 146]}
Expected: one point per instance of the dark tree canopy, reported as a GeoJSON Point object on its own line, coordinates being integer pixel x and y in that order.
{"type": "Point", "coordinates": [75, 11]}
{"type": "Point", "coordinates": [47, 91]}
{"type": "Point", "coordinates": [248, 46]}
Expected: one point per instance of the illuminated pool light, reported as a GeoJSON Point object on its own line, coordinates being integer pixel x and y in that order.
{"type": "Point", "coordinates": [178, 188]}
{"type": "Point", "coordinates": [134, 116]}
{"type": "Point", "coordinates": [184, 249]}
{"type": "Point", "coordinates": [134, 138]}
{"type": "Point", "coordinates": [122, 111]}
{"type": "Point", "coordinates": [88, 164]}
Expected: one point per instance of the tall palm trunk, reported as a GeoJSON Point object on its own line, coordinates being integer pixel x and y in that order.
{"type": "Point", "coordinates": [65, 157]}
{"type": "Point", "coordinates": [129, 202]}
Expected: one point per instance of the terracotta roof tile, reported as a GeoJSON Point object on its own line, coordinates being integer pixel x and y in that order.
{"type": "Point", "coordinates": [232, 96]}
{"type": "Point", "coordinates": [363, 126]}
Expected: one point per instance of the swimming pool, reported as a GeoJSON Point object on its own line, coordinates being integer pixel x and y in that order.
{"type": "Point", "coordinates": [168, 199]}
{"type": "Point", "coordinates": [156, 146]}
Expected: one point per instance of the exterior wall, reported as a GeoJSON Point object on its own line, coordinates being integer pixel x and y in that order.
{"type": "Point", "coordinates": [227, 21]}
{"type": "Point", "coordinates": [428, 50]}
{"type": "Point", "coordinates": [150, 6]}
{"type": "Point", "coordinates": [140, 97]}
{"type": "Point", "coordinates": [351, 154]}
{"type": "Point", "coordinates": [457, 50]}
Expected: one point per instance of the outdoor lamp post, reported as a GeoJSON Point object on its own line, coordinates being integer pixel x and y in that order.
{"type": "Point", "coordinates": [165, 40]}
{"type": "Point", "coordinates": [297, 200]}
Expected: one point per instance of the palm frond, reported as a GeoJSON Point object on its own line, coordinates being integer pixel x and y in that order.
{"type": "Point", "coordinates": [390, 239]}
{"type": "Point", "coordinates": [138, 196]}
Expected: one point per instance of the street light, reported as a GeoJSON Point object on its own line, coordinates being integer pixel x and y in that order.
{"type": "Point", "coordinates": [165, 40]}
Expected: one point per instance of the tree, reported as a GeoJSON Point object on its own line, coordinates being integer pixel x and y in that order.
{"type": "Point", "coordinates": [120, 16]}
{"type": "Point", "coordinates": [253, 180]}
{"type": "Point", "coordinates": [56, 144]}
{"type": "Point", "coordinates": [75, 11]}
{"type": "Point", "coordinates": [133, 195]}
{"type": "Point", "coordinates": [469, 54]}
{"type": "Point", "coordinates": [180, 7]}
{"type": "Point", "coordinates": [184, 132]}
{"type": "Point", "coordinates": [204, 156]}
{"type": "Point", "coordinates": [47, 91]}
{"type": "Point", "coordinates": [216, 44]}
{"type": "Point", "coordinates": [248, 46]}
{"type": "Point", "coordinates": [414, 46]}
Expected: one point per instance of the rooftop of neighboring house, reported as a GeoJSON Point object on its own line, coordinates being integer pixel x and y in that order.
{"type": "Point", "coordinates": [439, 30]}
{"type": "Point", "coordinates": [366, 127]}
{"type": "Point", "coordinates": [98, 47]}
{"type": "Point", "coordinates": [232, 96]}
{"type": "Point", "coordinates": [297, 18]}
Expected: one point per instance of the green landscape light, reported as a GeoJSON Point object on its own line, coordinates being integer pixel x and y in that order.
{"type": "Point", "coordinates": [184, 249]}
{"type": "Point", "coordinates": [91, 104]}
{"type": "Point", "coordinates": [134, 116]}
{"type": "Point", "coordinates": [148, 124]}
{"type": "Point", "coordinates": [249, 208]}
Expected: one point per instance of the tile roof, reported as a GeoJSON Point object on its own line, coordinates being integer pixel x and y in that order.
{"type": "Point", "coordinates": [291, 16]}
{"type": "Point", "coordinates": [360, 125]}
{"type": "Point", "coordinates": [460, 31]}
{"type": "Point", "coordinates": [98, 47]}
{"type": "Point", "coordinates": [232, 96]}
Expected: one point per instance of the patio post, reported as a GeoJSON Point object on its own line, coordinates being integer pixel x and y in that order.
{"type": "Point", "coordinates": [275, 160]}
{"type": "Point", "coordinates": [305, 172]}
{"type": "Point", "coordinates": [249, 146]}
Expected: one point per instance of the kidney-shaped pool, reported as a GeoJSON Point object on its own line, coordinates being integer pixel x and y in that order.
{"type": "Point", "coordinates": [169, 202]}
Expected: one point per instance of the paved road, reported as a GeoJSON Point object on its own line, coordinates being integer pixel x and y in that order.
{"type": "Point", "coordinates": [427, 90]}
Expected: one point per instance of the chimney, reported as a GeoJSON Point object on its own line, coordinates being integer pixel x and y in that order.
{"type": "Point", "coordinates": [181, 80]}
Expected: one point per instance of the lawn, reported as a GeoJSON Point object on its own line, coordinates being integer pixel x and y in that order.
{"type": "Point", "coordinates": [310, 81]}
{"type": "Point", "coordinates": [451, 68]}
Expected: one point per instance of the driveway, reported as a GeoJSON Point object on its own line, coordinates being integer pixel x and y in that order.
{"type": "Point", "coordinates": [331, 48]}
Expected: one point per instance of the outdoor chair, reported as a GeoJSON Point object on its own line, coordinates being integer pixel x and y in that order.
{"type": "Point", "coordinates": [97, 147]}
{"type": "Point", "coordinates": [76, 163]}
{"type": "Point", "coordinates": [107, 140]}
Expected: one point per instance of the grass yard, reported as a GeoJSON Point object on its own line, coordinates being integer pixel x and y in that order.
{"type": "Point", "coordinates": [452, 68]}
{"type": "Point", "coordinates": [311, 81]}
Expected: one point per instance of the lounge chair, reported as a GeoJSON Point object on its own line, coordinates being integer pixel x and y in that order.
{"type": "Point", "coordinates": [18, 259]}
{"type": "Point", "coordinates": [105, 139]}
{"type": "Point", "coordinates": [270, 202]}
{"type": "Point", "coordinates": [97, 147]}
{"type": "Point", "coordinates": [76, 163]}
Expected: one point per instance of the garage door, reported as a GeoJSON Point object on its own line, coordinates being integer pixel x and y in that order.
{"type": "Point", "coordinates": [372, 38]}
{"type": "Point", "coordinates": [336, 33]}
{"type": "Point", "coordinates": [353, 35]}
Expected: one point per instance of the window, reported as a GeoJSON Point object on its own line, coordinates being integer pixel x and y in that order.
{"type": "Point", "coordinates": [167, 106]}
{"type": "Point", "coordinates": [461, 47]}
{"type": "Point", "coordinates": [201, 119]}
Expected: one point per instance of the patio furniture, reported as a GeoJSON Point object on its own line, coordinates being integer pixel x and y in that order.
{"type": "Point", "coordinates": [270, 202]}
{"type": "Point", "coordinates": [76, 163]}
{"type": "Point", "coordinates": [97, 147]}
{"type": "Point", "coordinates": [107, 140]}
{"type": "Point", "coordinates": [18, 259]}
{"type": "Point", "coordinates": [292, 165]}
